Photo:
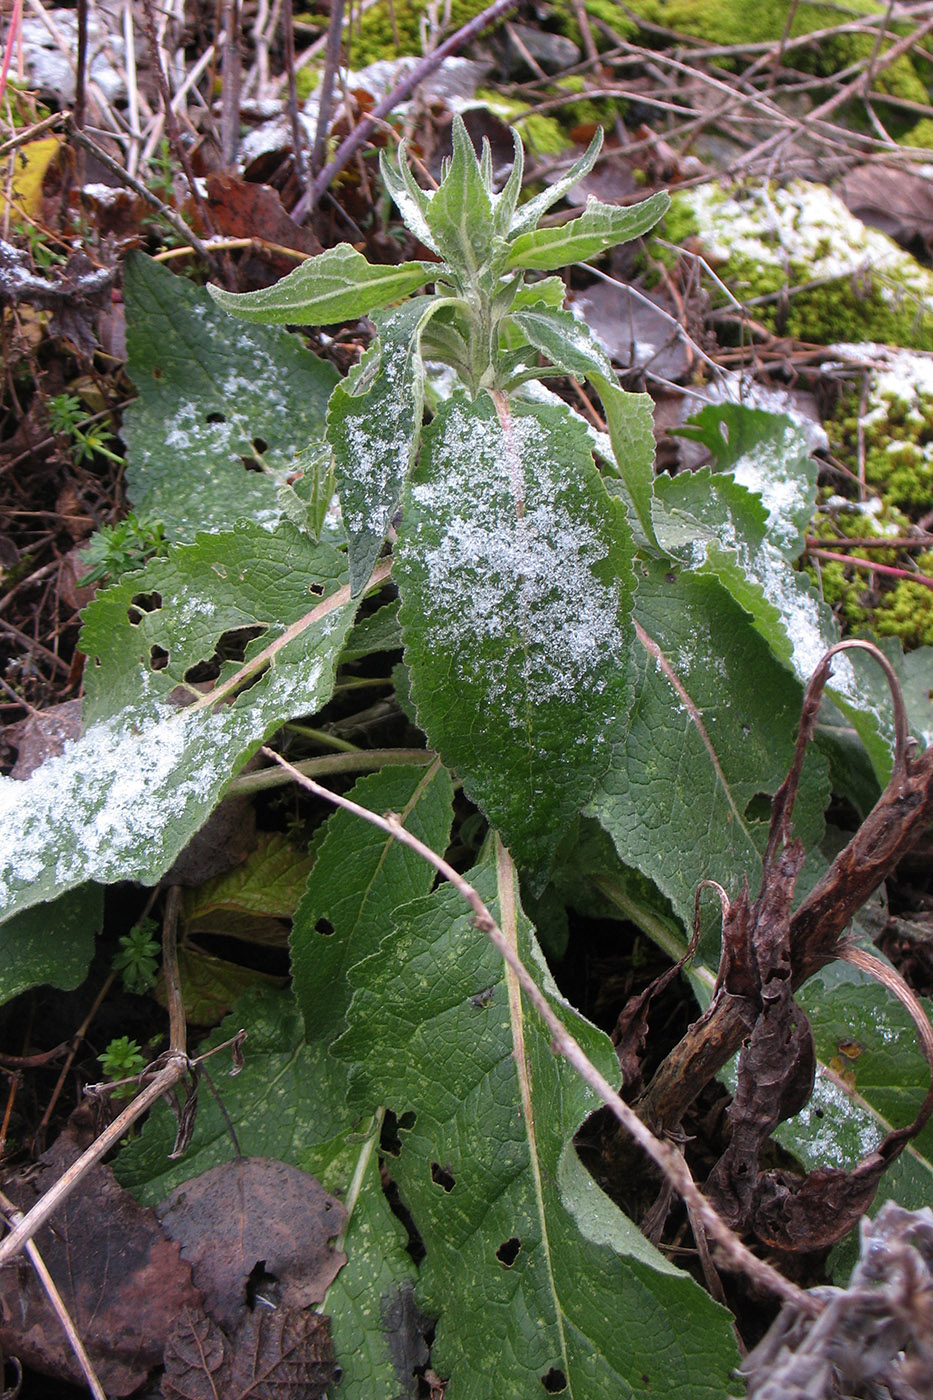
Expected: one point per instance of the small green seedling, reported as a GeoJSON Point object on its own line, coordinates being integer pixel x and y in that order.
{"type": "Point", "coordinates": [123, 1059]}
{"type": "Point", "coordinates": [137, 960]}
{"type": "Point", "coordinates": [116, 550]}
{"type": "Point", "coordinates": [67, 418]}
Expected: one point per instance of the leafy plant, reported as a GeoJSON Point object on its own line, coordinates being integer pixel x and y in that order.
{"type": "Point", "coordinates": [119, 549]}
{"type": "Point", "coordinates": [123, 1059]}
{"type": "Point", "coordinates": [136, 962]}
{"type": "Point", "coordinates": [611, 665]}
{"type": "Point", "coordinates": [67, 418]}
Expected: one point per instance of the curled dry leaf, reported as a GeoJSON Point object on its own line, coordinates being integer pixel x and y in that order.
{"type": "Point", "coordinates": [255, 1211]}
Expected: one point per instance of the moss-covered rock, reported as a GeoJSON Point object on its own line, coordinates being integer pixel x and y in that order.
{"type": "Point", "coordinates": [738, 22]}
{"type": "Point", "coordinates": [824, 275]}
{"type": "Point", "coordinates": [391, 28]}
{"type": "Point", "coordinates": [896, 412]}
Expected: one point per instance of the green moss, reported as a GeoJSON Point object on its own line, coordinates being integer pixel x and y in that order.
{"type": "Point", "coordinates": [307, 80]}
{"type": "Point", "coordinates": [738, 22]}
{"type": "Point", "coordinates": [867, 602]}
{"type": "Point", "coordinates": [391, 28]}
{"type": "Point", "coordinates": [804, 265]}
{"type": "Point", "coordinates": [920, 135]}
{"type": "Point", "coordinates": [896, 431]}
{"type": "Point", "coordinates": [609, 11]}
{"type": "Point", "coordinates": [907, 610]}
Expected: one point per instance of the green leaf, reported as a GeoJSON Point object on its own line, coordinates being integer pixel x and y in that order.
{"type": "Point", "coordinates": [599, 227]}
{"type": "Point", "coordinates": [713, 725]}
{"type": "Point", "coordinates": [571, 346]}
{"type": "Point", "coordinates": [716, 525]}
{"type": "Point", "coordinates": [222, 410]}
{"type": "Point", "coordinates": [266, 885]}
{"type": "Point", "coordinates": [529, 213]}
{"type": "Point", "coordinates": [122, 801]}
{"type": "Point", "coordinates": [514, 570]}
{"type": "Point", "coordinates": [337, 285]}
{"type": "Point", "coordinates": [378, 632]}
{"type": "Point", "coordinates": [768, 454]}
{"type": "Point", "coordinates": [460, 214]}
{"type": "Point", "coordinates": [289, 1102]}
{"type": "Point", "coordinates": [52, 945]}
{"type": "Point", "coordinates": [360, 875]}
{"type": "Point", "coordinates": [516, 1233]}
{"type": "Point", "coordinates": [374, 425]}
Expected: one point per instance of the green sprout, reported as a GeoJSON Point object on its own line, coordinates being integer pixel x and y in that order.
{"type": "Point", "coordinates": [67, 418]}
{"type": "Point", "coordinates": [123, 1059]}
{"type": "Point", "coordinates": [136, 962]}
{"type": "Point", "coordinates": [118, 549]}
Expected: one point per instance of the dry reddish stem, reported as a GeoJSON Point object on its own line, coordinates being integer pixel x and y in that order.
{"type": "Point", "coordinates": [895, 824]}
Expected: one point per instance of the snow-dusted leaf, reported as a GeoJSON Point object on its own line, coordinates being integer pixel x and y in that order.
{"type": "Point", "coordinates": [712, 727]}
{"type": "Point", "coordinates": [718, 526]}
{"type": "Point", "coordinates": [122, 800]}
{"type": "Point", "coordinates": [572, 1299]}
{"type": "Point", "coordinates": [514, 569]}
{"type": "Point", "coordinates": [373, 426]}
{"type": "Point", "coordinates": [337, 285]}
{"type": "Point", "coordinates": [571, 346]}
{"type": "Point", "coordinates": [222, 410]}
{"type": "Point", "coordinates": [360, 875]}
{"type": "Point", "coordinates": [410, 199]}
{"type": "Point", "coordinates": [768, 454]}
{"type": "Point", "coordinates": [599, 227]}
{"type": "Point", "coordinates": [289, 1102]}
{"type": "Point", "coordinates": [51, 945]}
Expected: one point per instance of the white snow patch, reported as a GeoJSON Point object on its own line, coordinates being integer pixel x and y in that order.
{"type": "Point", "coordinates": [522, 580]}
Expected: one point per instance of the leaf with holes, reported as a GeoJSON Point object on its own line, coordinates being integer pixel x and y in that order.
{"type": "Point", "coordinates": [360, 875]}
{"type": "Point", "coordinates": [712, 727]}
{"type": "Point", "coordinates": [263, 613]}
{"type": "Point", "coordinates": [572, 1298]}
{"type": "Point", "coordinates": [514, 568]}
{"type": "Point", "coordinates": [223, 409]}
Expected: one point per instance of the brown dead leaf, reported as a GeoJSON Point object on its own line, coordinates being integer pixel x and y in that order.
{"type": "Point", "coordinates": [255, 1211]}
{"type": "Point", "coordinates": [637, 335]}
{"type": "Point", "coordinates": [242, 209]}
{"type": "Point", "coordinates": [285, 1354]}
{"type": "Point", "coordinates": [122, 1281]}
{"type": "Point", "coordinates": [891, 198]}
{"type": "Point", "coordinates": [43, 734]}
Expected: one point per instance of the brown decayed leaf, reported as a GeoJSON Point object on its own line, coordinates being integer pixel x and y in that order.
{"type": "Point", "coordinates": [892, 198]}
{"type": "Point", "coordinates": [255, 1211]}
{"type": "Point", "coordinates": [285, 1354]}
{"type": "Point", "coordinates": [122, 1281]}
